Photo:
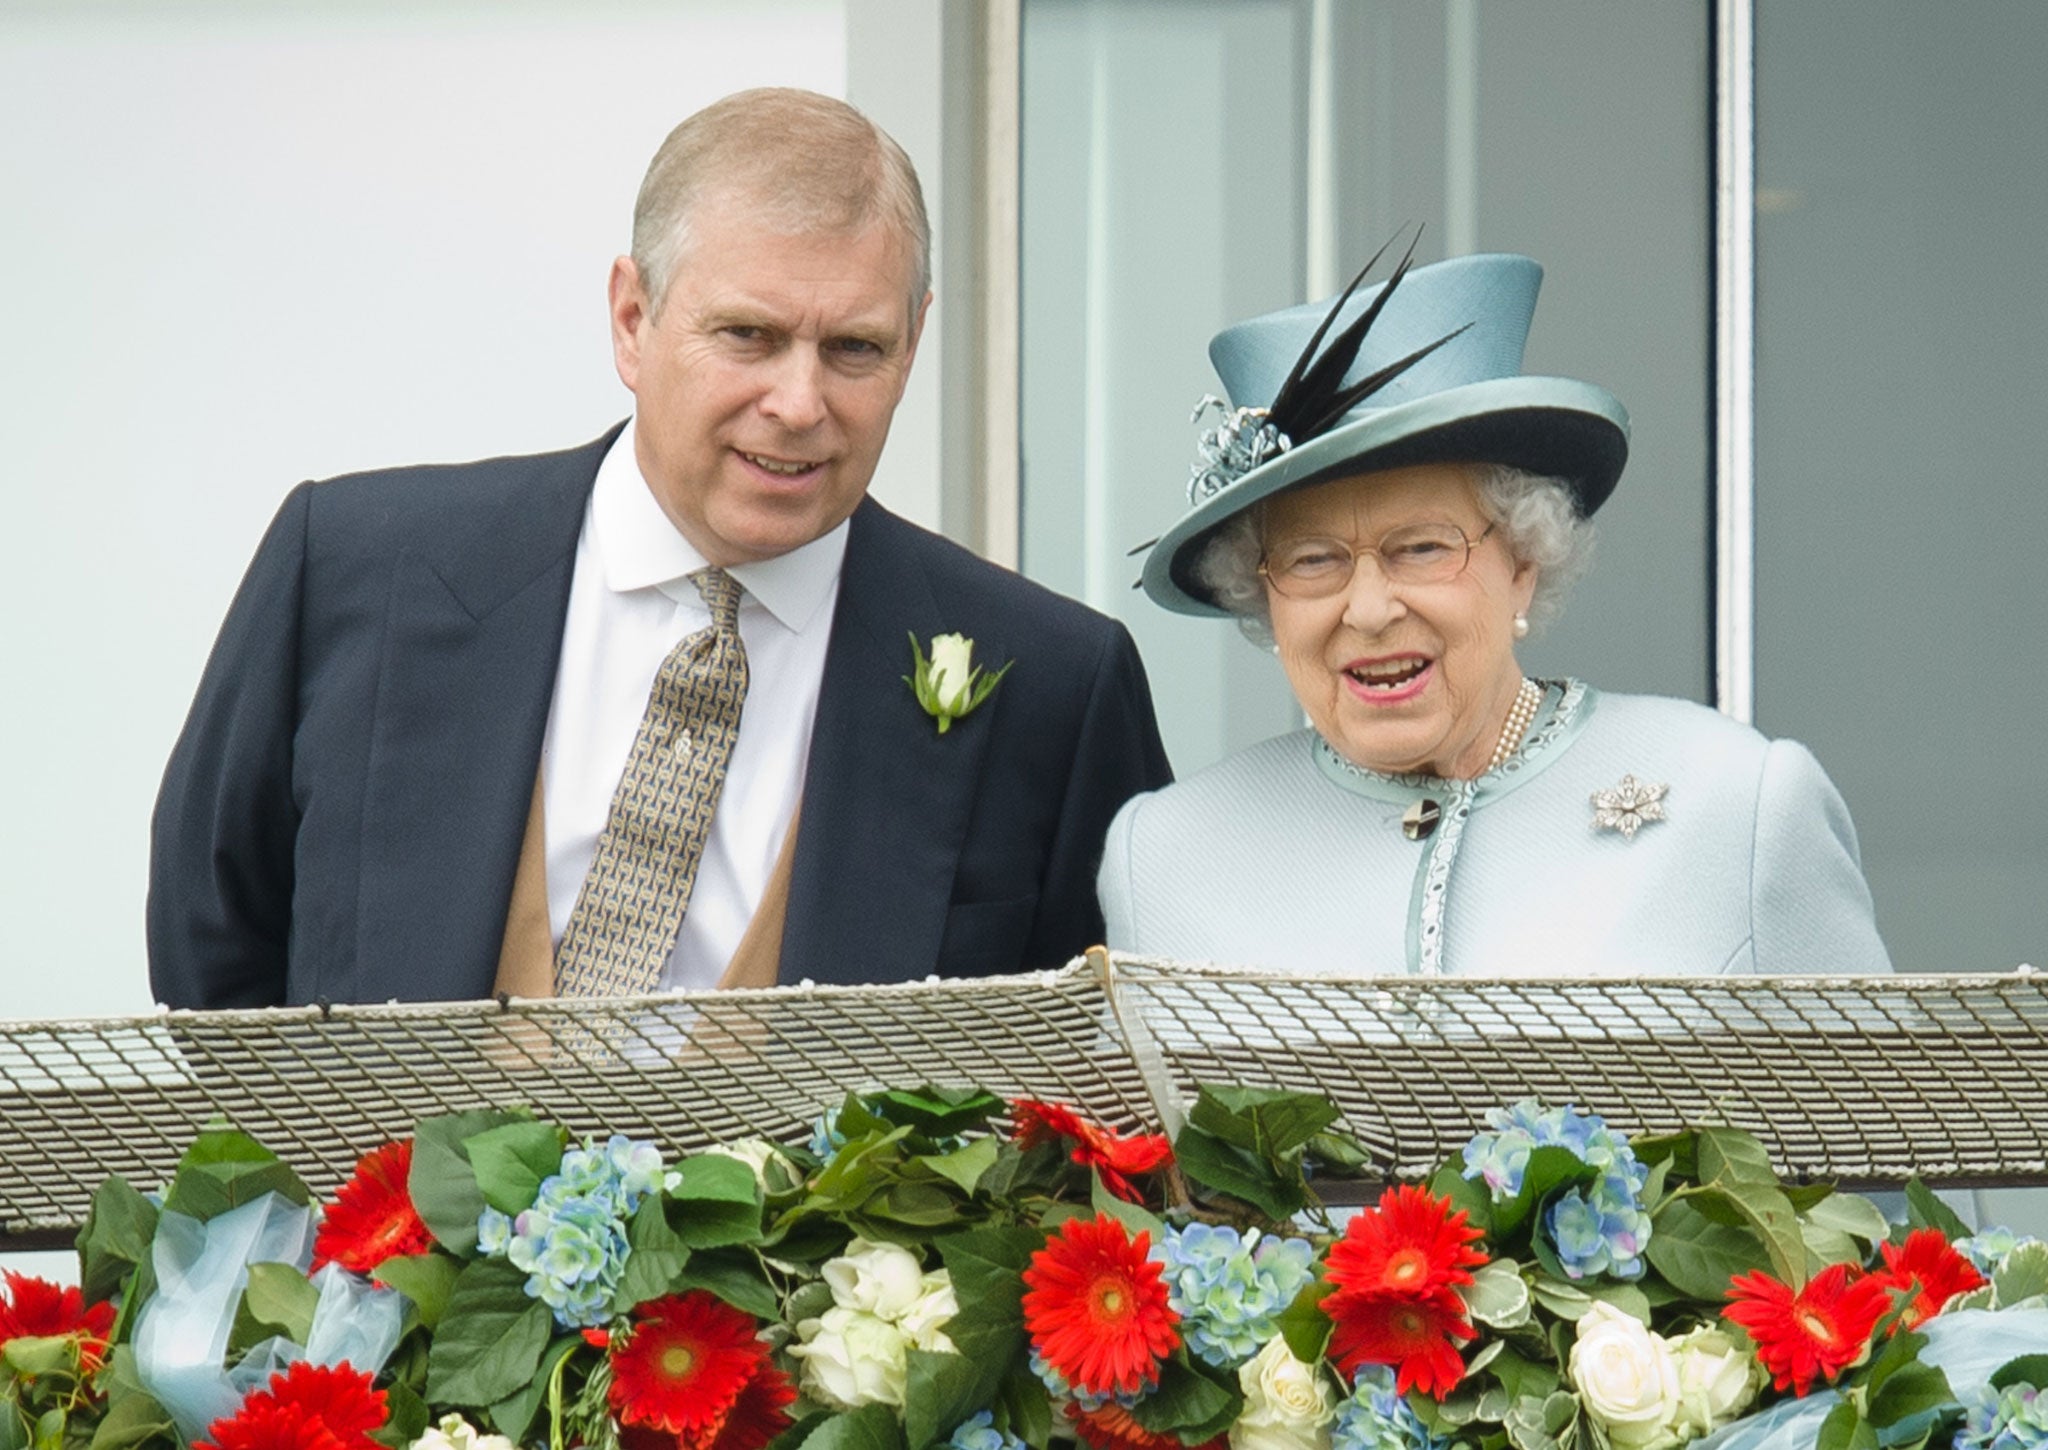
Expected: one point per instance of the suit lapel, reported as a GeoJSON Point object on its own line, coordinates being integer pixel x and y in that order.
{"type": "Point", "coordinates": [886, 797]}
{"type": "Point", "coordinates": [468, 668]}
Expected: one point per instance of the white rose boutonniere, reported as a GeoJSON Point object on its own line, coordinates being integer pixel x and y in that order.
{"type": "Point", "coordinates": [1717, 1380]}
{"type": "Point", "coordinates": [949, 684]}
{"type": "Point", "coordinates": [851, 1358]}
{"type": "Point", "coordinates": [879, 1279]}
{"type": "Point", "coordinates": [1627, 1379]}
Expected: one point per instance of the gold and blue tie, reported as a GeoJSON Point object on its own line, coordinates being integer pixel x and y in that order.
{"type": "Point", "coordinates": [633, 899]}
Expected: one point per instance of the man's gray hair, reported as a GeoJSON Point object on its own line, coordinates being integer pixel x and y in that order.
{"type": "Point", "coordinates": [1534, 514]}
{"type": "Point", "coordinates": [798, 162]}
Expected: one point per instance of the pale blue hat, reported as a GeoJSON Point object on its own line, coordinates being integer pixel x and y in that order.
{"type": "Point", "coordinates": [1446, 345]}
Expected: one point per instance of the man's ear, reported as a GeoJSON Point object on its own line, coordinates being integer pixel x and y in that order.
{"type": "Point", "coordinates": [631, 316]}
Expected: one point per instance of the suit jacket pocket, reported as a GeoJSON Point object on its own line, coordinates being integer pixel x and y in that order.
{"type": "Point", "coordinates": [986, 937]}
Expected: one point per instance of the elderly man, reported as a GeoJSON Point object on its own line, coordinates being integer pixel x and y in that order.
{"type": "Point", "coordinates": [634, 716]}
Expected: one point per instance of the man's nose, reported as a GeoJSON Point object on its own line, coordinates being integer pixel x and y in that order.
{"type": "Point", "coordinates": [795, 396]}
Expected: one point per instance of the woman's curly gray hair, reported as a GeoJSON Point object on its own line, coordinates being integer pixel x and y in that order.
{"type": "Point", "coordinates": [1534, 514]}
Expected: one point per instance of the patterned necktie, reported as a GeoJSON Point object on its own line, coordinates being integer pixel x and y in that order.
{"type": "Point", "coordinates": [632, 902]}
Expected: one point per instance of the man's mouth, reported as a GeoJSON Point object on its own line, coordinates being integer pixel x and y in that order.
{"type": "Point", "coordinates": [781, 467]}
{"type": "Point", "coordinates": [1387, 675]}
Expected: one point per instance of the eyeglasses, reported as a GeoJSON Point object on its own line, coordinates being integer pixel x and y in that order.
{"type": "Point", "coordinates": [1315, 568]}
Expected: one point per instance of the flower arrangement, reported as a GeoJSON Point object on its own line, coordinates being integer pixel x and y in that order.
{"type": "Point", "coordinates": [919, 1278]}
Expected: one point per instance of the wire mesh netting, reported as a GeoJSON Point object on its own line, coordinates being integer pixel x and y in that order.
{"type": "Point", "coordinates": [1858, 1080]}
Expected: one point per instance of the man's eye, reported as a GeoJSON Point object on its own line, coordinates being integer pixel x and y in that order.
{"type": "Point", "coordinates": [857, 347]}
{"type": "Point", "coordinates": [742, 332]}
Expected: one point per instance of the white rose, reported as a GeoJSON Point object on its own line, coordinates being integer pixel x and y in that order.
{"type": "Point", "coordinates": [1627, 1379]}
{"type": "Point", "coordinates": [924, 1322]}
{"type": "Point", "coordinates": [952, 665]}
{"type": "Point", "coordinates": [1287, 1406]}
{"type": "Point", "coordinates": [756, 1153]}
{"type": "Point", "coordinates": [851, 1359]}
{"type": "Point", "coordinates": [880, 1279]}
{"type": "Point", "coordinates": [1717, 1380]}
{"type": "Point", "coordinates": [456, 1433]}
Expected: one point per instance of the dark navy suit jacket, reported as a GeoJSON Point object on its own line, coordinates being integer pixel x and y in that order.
{"type": "Point", "coordinates": [343, 813]}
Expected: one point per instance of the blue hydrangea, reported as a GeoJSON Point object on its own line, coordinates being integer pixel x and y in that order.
{"type": "Point", "coordinates": [979, 1432]}
{"type": "Point", "coordinates": [826, 1139]}
{"type": "Point", "coordinates": [571, 1243]}
{"type": "Point", "coordinates": [2012, 1419]}
{"type": "Point", "coordinates": [1989, 1248]}
{"type": "Point", "coordinates": [1376, 1418]}
{"type": "Point", "coordinates": [1598, 1228]}
{"type": "Point", "coordinates": [1229, 1288]}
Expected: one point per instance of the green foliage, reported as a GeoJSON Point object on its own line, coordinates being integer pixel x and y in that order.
{"type": "Point", "coordinates": [512, 1161]}
{"type": "Point", "coordinates": [426, 1279]}
{"type": "Point", "coordinates": [224, 1169]}
{"type": "Point", "coordinates": [116, 1237]}
{"type": "Point", "coordinates": [1252, 1144]}
{"type": "Point", "coordinates": [443, 1185]}
{"type": "Point", "coordinates": [491, 1337]}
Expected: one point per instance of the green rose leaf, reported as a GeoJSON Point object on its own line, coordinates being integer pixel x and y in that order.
{"type": "Point", "coordinates": [1845, 1429]}
{"type": "Point", "coordinates": [512, 1162]}
{"type": "Point", "coordinates": [1696, 1256]}
{"type": "Point", "coordinates": [116, 1237]}
{"type": "Point", "coordinates": [1189, 1403]}
{"type": "Point", "coordinates": [737, 1277]}
{"type": "Point", "coordinates": [963, 1167]}
{"type": "Point", "coordinates": [491, 1337]}
{"type": "Point", "coordinates": [426, 1279]}
{"type": "Point", "coordinates": [280, 1296]}
{"type": "Point", "coordinates": [871, 1427]}
{"type": "Point", "coordinates": [442, 1184]}
{"type": "Point", "coordinates": [716, 1201]}
{"type": "Point", "coordinates": [224, 1169]}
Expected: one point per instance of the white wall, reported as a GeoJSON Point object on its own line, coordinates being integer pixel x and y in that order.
{"type": "Point", "coordinates": [248, 245]}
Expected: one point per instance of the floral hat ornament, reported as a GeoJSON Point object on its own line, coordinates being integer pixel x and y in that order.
{"type": "Point", "coordinates": [1425, 367]}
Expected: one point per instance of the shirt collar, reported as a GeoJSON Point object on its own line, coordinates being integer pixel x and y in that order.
{"type": "Point", "coordinates": [640, 549]}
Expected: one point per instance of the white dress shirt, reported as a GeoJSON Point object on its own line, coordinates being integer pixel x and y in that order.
{"type": "Point", "coordinates": [630, 601]}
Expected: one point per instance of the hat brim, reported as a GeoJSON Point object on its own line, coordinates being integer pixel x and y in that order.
{"type": "Point", "coordinates": [1559, 427]}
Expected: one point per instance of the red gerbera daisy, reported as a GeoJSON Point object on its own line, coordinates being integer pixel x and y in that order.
{"type": "Point", "coordinates": [307, 1407]}
{"type": "Point", "coordinates": [683, 1366]}
{"type": "Point", "coordinates": [1096, 1308]}
{"type": "Point", "coordinates": [372, 1218]}
{"type": "Point", "coordinates": [1413, 1335]}
{"type": "Point", "coordinates": [756, 1417]}
{"type": "Point", "coordinates": [35, 1308]}
{"type": "Point", "coordinates": [1930, 1270]}
{"type": "Point", "coordinates": [1411, 1246]}
{"type": "Point", "coordinates": [1813, 1334]}
{"type": "Point", "coordinates": [1112, 1428]}
{"type": "Point", "coordinates": [1112, 1156]}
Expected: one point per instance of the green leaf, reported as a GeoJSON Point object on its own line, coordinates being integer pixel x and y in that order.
{"type": "Point", "coordinates": [13, 1429]}
{"type": "Point", "coordinates": [1769, 1214]}
{"type": "Point", "coordinates": [1914, 1388]}
{"type": "Point", "coordinates": [426, 1279]}
{"type": "Point", "coordinates": [224, 1169]}
{"type": "Point", "coordinates": [1845, 1429]}
{"type": "Point", "coordinates": [1549, 1169]}
{"type": "Point", "coordinates": [405, 1417]}
{"type": "Point", "coordinates": [1696, 1256]}
{"type": "Point", "coordinates": [133, 1416]}
{"type": "Point", "coordinates": [735, 1276]}
{"type": "Point", "coordinates": [514, 1414]}
{"type": "Point", "coordinates": [941, 1390]}
{"type": "Point", "coordinates": [490, 1338]}
{"type": "Point", "coordinates": [1213, 1163]}
{"type": "Point", "coordinates": [1189, 1403]}
{"type": "Point", "coordinates": [1520, 1377]}
{"type": "Point", "coordinates": [281, 1296]}
{"type": "Point", "coordinates": [1924, 1210]}
{"type": "Point", "coordinates": [2028, 1369]}
{"type": "Point", "coordinates": [442, 1184]}
{"type": "Point", "coordinates": [964, 1166]}
{"type": "Point", "coordinates": [1304, 1325]}
{"type": "Point", "coordinates": [1566, 1301]}
{"type": "Point", "coordinates": [986, 1267]}
{"type": "Point", "coordinates": [1025, 1409]}
{"type": "Point", "coordinates": [513, 1161]}
{"type": "Point", "coordinates": [1337, 1155]}
{"type": "Point", "coordinates": [915, 1205]}
{"type": "Point", "coordinates": [116, 1237]}
{"type": "Point", "coordinates": [1628, 1298]}
{"type": "Point", "coordinates": [2023, 1275]}
{"type": "Point", "coordinates": [1730, 1157]}
{"type": "Point", "coordinates": [871, 1427]}
{"type": "Point", "coordinates": [655, 1265]}
{"type": "Point", "coordinates": [1133, 1216]}
{"type": "Point", "coordinates": [1270, 1122]}
{"type": "Point", "coordinates": [936, 1112]}
{"type": "Point", "coordinates": [1851, 1214]}
{"type": "Point", "coordinates": [32, 1355]}
{"type": "Point", "coordinates": [1497, 1296]}
{"type": "Point", "coordinates": [716, 1201]}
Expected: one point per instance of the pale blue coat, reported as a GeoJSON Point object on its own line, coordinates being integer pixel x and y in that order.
{"type": "Point", "coordinates": [1285, 856]}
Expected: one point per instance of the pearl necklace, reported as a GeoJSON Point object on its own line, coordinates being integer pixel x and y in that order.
{"type": "Point", "coordinates": [1520, 714]}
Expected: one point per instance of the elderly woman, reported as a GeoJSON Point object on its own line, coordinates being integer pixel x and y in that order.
{"type": "Point", "coordinates": [1401, 510]}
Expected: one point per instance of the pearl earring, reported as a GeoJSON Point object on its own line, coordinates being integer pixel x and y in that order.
{"type": "Point", "coordinates": [1521, 626]}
